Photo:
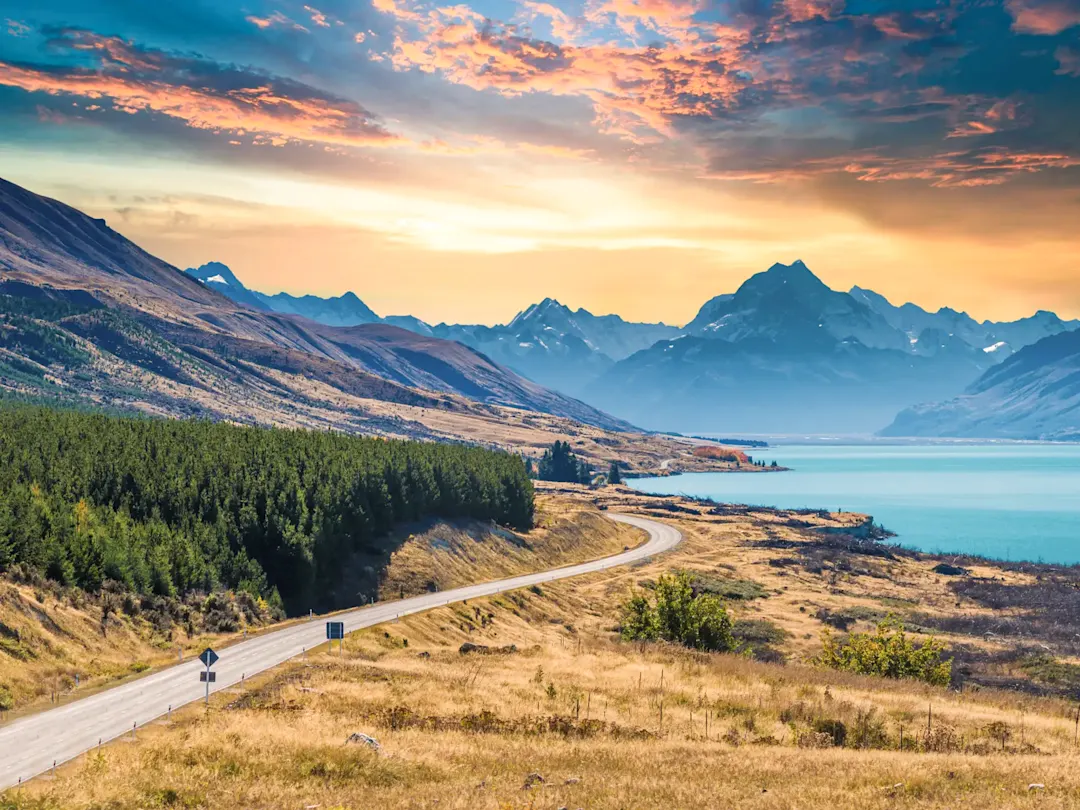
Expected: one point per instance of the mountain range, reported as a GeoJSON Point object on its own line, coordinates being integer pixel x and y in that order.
{"type": "Point", "coordinates": [547, 342]}
{"type": "Point", "coordinates": [88, 315]}
{"type": "Point", "coordinates": [782, 354]}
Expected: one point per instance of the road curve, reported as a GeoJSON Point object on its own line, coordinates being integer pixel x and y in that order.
{"type": "Point", "coordinates": [29, 746]}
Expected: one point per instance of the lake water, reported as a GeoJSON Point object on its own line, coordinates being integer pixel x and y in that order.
{"type": "Point", "coordinates": [1015, 502]}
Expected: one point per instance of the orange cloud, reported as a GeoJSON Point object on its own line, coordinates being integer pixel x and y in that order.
{"type": "Point", "coordinates": [275, 19]}
{"type": "Point", "coordinates": [651, 85]}
{"type": "Point", "coordinates": [804, 10]}
{"type": "Point", "coordinates": [1046, 17]}
{"type": "Point", "coordinates": [317, 17]}
{"type": "Point", "coordinates": [988, 166]}
{"type": "Point", "coordinates": [252, 104]}
{"type": "Point", "coordinates": [999, 116]}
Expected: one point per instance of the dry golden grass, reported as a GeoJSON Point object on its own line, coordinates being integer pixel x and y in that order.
{"type": "Point", "coordinates": [582, 709]}
{"type": "Point", "coordinates": [450, 555]}
{"type": "Point", "coordinates": [50, 635]}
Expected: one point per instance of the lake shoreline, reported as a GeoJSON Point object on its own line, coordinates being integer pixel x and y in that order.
{"type": "Point", "coordinates": [983, 501]}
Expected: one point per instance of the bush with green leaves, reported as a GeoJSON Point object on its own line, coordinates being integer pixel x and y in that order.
{"type": "Point", "coordinates": [675, 614]}
{"type": "Point", "coordinates": [887, 652]}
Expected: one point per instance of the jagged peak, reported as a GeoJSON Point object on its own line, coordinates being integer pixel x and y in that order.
{"type": "Point", "coordinates": [210, 270]}
{"type": "Point", "coordinates": [545, 307]}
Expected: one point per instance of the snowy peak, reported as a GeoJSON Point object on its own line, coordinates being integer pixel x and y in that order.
{"type": "Point", "coordinates": [548, 312]}
{"type": "Point", "coordinates": [788, 306]}
{"type": "Point", "coordinates": [219, 277]}
{"type": "Point", "coordinates": [788, 279]}
{"type": "Point", "coordinates": [215, 273]}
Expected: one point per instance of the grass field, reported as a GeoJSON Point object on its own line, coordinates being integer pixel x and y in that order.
{"type": "Point", "coordinates": [557, 697]}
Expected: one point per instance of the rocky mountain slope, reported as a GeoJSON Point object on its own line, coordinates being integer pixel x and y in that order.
{"type": "Point", "coordinates": [106, 320]}
{"type": "Point", "coordinates": [1035, 394]}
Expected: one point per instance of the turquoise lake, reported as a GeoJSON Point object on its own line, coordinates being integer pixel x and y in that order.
{"type": "Point", "coordinates": [1014, 502]}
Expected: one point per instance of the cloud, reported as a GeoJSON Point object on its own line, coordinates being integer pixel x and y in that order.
{"type": "Point", "coordinates": [1046, 17]}
{"type": "Point", "coordinates": [1068, 60]}
{"type": "Point", "coordinates": [317, 17]}
{"type": "Point", "coordinates": [631, 86]}
{"type": "Point", "coordinates": [204, 95]}
{"type": "Point", "coordinates": [277, 19]}
{"type": "Point", "coordinates": [1000, 116]}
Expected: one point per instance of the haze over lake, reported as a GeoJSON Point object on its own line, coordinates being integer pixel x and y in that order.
{"type": "Point", "coordinates": [1002, 501]}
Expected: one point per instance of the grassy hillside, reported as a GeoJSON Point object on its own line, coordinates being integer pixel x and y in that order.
{"type": "Point", "coordinates": [559, 712]}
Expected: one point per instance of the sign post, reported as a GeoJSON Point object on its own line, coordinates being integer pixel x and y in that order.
{"type": "Point", "coordinates": [209, 658]}
{"type": "Point", "coordinates": [336, 630]}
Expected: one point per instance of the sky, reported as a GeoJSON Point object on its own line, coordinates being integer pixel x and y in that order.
{"type": "Point", "coordinates": [459, 162]}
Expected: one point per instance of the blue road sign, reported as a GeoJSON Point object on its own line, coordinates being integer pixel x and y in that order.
{"type": "Point", "coordinates": [335, 630]}
{"type": "Point", "coordinates": [206, 676]}
{"type": "Point", "coordinates": [208, 657]}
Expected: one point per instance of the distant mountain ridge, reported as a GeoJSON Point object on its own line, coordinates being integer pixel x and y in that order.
{"type": "Point", "coordinates": [1033, 395]}
{"type": "Point", "coordinates": [784, 353]}
{"type": "Point", "coordinates": [1002, 338]}
{"type": "Point", "coordinates": [548, 342]}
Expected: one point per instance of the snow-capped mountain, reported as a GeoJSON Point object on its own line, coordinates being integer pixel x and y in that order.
{"type": "Point", "coordinates": [218, 276]}
{"type": "Point", "coordinates": [783, 353]}
{"type": "Point", "coordinates": [789, 304]}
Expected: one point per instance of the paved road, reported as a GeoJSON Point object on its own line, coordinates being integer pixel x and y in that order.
{"type": "Point", "coordinates": [29, 746]}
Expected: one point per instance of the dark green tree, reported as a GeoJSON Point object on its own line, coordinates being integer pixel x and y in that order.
{"type": "Point", "coordinates": [559, 463]}
{"type": "Point", "coordinates": [614, 475]}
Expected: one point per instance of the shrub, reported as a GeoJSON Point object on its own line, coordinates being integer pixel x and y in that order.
{"type": "Point", "coordinates": [677, 615]}
{"type": "Point", "coordinates": [868, 730]}
{"type": "Point", "coordinates": [888, 653]}
{"type": "Point", "coordinates": [834, 728]}
{"type": "Point", "coordinates": [815, 739]}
